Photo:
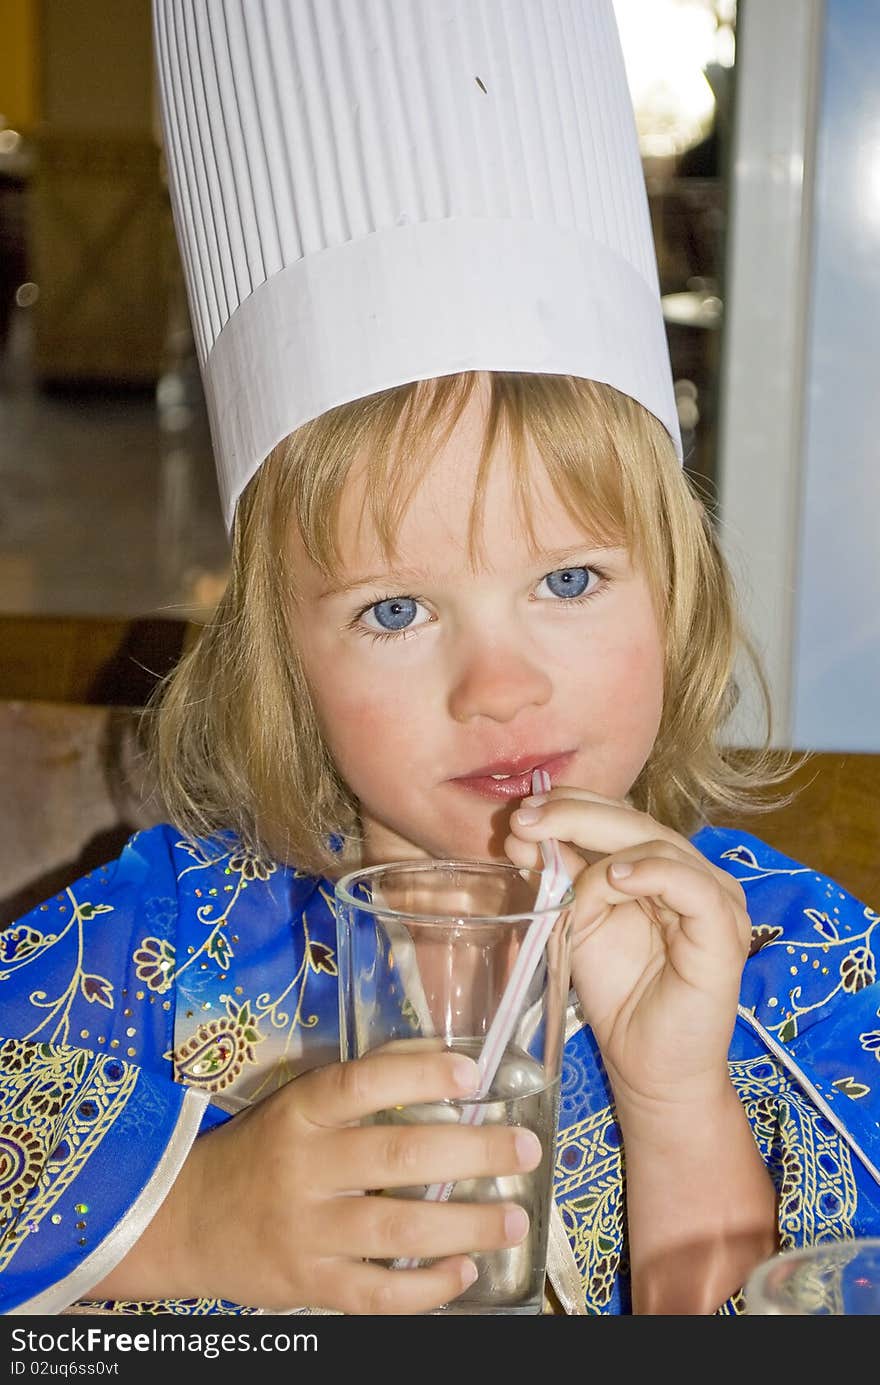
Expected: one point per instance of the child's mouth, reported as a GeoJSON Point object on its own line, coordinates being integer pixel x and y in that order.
{"type": "Point", "coordinates": [512, 779]}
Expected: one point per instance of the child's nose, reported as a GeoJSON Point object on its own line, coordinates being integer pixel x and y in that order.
{"type": "Point", "coordinates": [498, 685]}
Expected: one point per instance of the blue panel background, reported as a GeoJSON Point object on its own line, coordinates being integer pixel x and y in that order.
{"type": "Point", "coordinates": [837, 631]}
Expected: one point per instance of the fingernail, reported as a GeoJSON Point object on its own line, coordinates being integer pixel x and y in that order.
{"type": "Point", "coordinates": [526, 815]}
{"type": "Point", "coordinates": [516, 1225]}
{"type": "Point", "coordinates": [537, 798]}
{"type": "Point", "coordinates": [620, 869]}
{"type": "Point", "coordinates": [465, 1073]}
{"type": "Point", "coordinates": [469, 1274]}
{"type": "Point", "coordinates": [528, 1149]}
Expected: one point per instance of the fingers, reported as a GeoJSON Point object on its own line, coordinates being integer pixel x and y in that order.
{"type": "Point", "coordinates": [388, 1228]}
{"type": "Point", "coordinates": [701, 926]}
{"type": "Point", "coordinates": [600, 827]}
{"type": "Point", "coordinates": [692, 895]}
{"type": "Point", "coordinates": [371, 1289]}
{"type": "Point", "coordinates": [712, 881]}
{"type": "Point", "coordinates": [674, 885]}
{"type": "Point", "coordinates": [596, 824]}
{"type": "Point", "coordinates": [328, 1223]}
{"type": "Point", "coordinates": [399, 1156]}
{"type": "Point", "coordinates": [343, 1093]}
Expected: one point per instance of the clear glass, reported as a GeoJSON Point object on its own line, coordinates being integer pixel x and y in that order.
{"type": "Point", "coordinates": [425, 952]}
{"type": "Point", "coordinates": [832, 1278]}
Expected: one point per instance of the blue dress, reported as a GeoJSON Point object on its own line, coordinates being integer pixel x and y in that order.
{"type": "Point", "coordinates": [159, 995]}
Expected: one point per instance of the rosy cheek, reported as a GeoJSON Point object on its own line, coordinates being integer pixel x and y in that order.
{"type": "Point", "coordinates": [626, 681]}
{"type": "Point", "coordinates": [363, 728]}
{"type": "Point", "coordinates": [374, 701]}
{"type": "Point", "coordinates": [641, 664]}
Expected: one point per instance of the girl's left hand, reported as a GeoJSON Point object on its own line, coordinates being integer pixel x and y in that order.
{"type": "Point", "coordinates": [657, 953]}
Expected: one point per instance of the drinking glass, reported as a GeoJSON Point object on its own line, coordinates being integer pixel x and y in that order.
{"type": "Point", "coordinates": [839, 1278]}
{"type": "Point", "coordinates": [428, 955]}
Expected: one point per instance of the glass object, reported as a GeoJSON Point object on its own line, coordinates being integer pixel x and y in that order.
{"type": "Point", "coordinates": [832, 1278]}
{"type": "Point", "coordinates": [427, 955]}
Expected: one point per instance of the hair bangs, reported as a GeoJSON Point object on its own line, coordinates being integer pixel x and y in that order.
{"type": "Point", "coordinates": [582, 433]}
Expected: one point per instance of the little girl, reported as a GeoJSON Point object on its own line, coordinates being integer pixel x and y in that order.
{"type": "Point", "coordinates": [437, 586]}
{"type": "Point", "coordinates": [474, 608]}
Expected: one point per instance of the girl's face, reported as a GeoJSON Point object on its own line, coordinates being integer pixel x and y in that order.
{"type": "Point", "coordinates": [440, 688]}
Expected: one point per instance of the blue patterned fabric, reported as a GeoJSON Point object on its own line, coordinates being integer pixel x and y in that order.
{"type": "Point", "coordinates": [184, 981]}
{"type": "Point", "coordinates": [803, 1060]}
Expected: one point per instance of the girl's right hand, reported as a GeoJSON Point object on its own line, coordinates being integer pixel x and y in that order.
{"type": "Point", "coordinates": [269, 1209]}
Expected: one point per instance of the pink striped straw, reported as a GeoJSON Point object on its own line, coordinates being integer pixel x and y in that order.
{"type": "Point", "coordinates": [552, 889]}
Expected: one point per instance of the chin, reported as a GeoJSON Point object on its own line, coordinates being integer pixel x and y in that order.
{"type": "Point", "coordinates": [482, 841]}
{"type": "Point", "coordinates": [481, 849]}
{"type": "Point", "coordinates": [471, 848]}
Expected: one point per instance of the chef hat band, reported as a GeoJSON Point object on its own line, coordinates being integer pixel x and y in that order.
{"type": "Point", "coordinates": [373, 192]}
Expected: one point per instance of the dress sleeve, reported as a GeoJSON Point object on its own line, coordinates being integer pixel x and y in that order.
{"type": "Point", "coordinates": [805, 1051]}
{"type": "Point", "coordinates": [93, 1127]}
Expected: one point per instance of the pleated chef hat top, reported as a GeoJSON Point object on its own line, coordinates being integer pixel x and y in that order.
{"type": "Point", "coordinates": [373, 192]}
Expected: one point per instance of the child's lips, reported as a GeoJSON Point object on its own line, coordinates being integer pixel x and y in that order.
{"type": "Point", "coordinates": [517, 785]}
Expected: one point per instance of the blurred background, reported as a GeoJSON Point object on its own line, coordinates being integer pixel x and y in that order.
{"type": "Point", "coordinates": [759, 126]}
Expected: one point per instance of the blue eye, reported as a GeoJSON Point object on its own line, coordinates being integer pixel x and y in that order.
{"type": "Point", "coordinates": [568, 581]}
{"type": "Point", "coordinates": [396, 613]}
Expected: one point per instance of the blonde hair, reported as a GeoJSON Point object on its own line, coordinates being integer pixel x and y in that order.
{"type": "Point", "coordinates": [234, 732]}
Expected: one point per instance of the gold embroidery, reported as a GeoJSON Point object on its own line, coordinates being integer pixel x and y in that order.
{"type": "Point", "coordinates": [809, 1161]}
{"type": "Point", "coordinates": [215, 1055]}
{"type": "Point", "coordinates": [52, 1090]}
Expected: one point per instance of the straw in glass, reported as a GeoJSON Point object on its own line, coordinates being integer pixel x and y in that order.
{"type": "Point", "coordinates": [552, 889]}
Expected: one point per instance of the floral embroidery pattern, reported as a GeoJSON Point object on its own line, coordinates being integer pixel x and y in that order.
{"type": "Point", "coordinates": [19, 942]}
{"type": "Point", "coordinates": [857, 970]}
{"type": "Point", "coordinates": [761, 936]}
{"type": "Point", "coordinates": [16, 1057]}
{"type": "Point", "coordinates": [21, 1159]}
{"type": "Point", "coordinates": [589, 1191]}
{"type": "Point", "coordinates": [837, 952]}
{"type": "Point", "coordinates": [850, 1087]}
{"type": "Point", "coordinates": [154, 964]}
{"type": "Point", "coordinates": [44, 1086]}
{"type": "Point", "coordinates": [218, 1051]}
{"type": "Point", "coordinates": [207, 969]}
{"type": "Point", "coordinates": [251, 867]}
{"type": "Point", "coordinates": [29, 945]}
{"type": "Point", "coordinates": [317, 958]}
{"type": "Point", "coordinates": [192, 1307]}
{"type": "Point", "coordinates": [321, 958]}
{"type": "Point", "coordinates": [808, 1160]}
{"type": "Point", "coordinates": [97, 988]}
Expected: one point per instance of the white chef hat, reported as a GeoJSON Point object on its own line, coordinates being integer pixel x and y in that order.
{"type": "Point", "coordinates": [373, 192]}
